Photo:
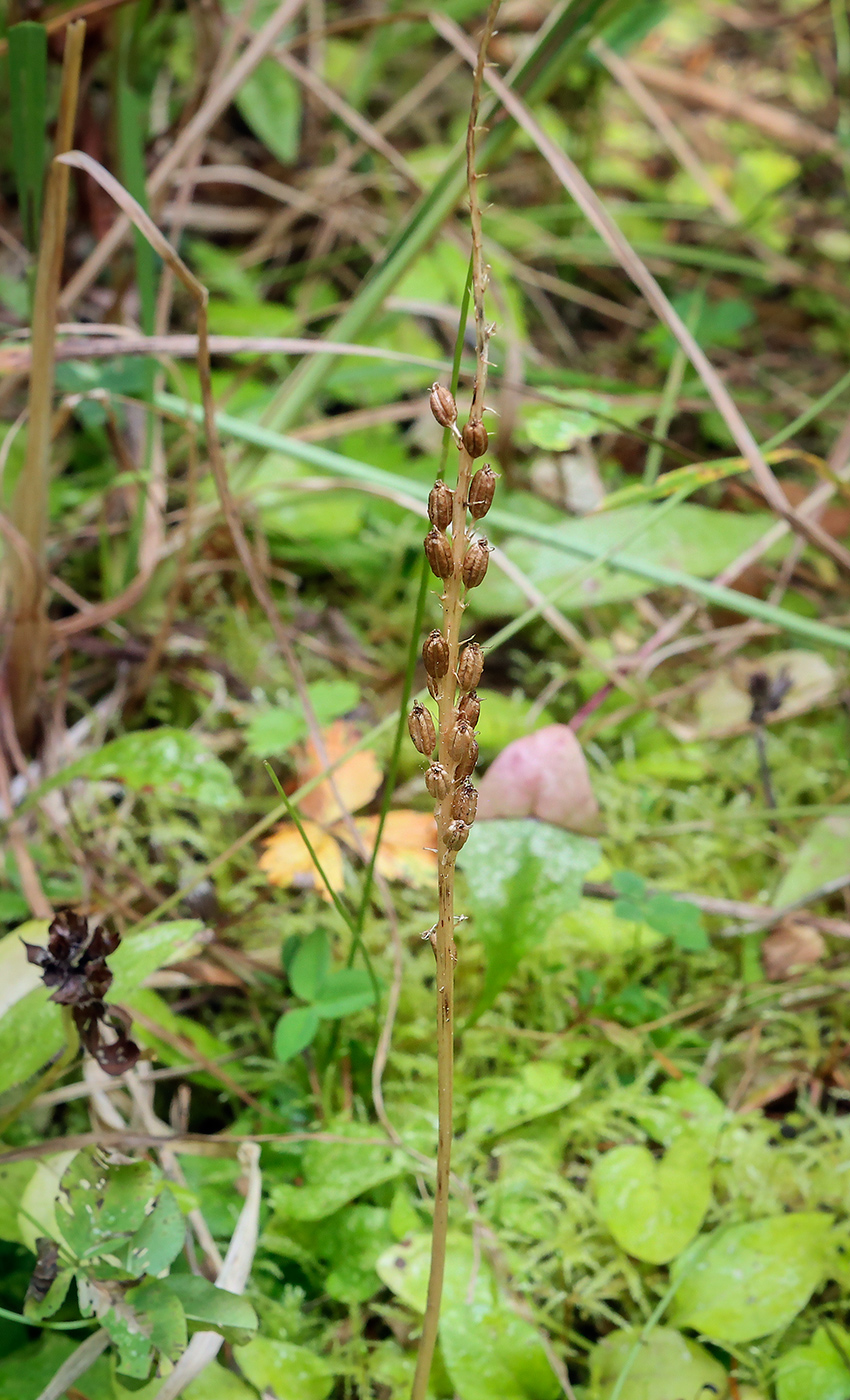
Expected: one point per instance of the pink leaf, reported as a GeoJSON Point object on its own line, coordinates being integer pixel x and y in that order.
{"type": "Point", "coordinates": [542, 775]}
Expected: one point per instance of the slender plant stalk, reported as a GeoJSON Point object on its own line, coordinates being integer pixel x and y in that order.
{"type": "Point", "coordinates": [27, 652]}
{"type": "Point", "coordinates": [461, 563]}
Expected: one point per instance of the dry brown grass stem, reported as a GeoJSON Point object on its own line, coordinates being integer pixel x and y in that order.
{"type": "Point", "coordinates": [28, 640]}
{"type": "Point", "coordinates": [597, 215]}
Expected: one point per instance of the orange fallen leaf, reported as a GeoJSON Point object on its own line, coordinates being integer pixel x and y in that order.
{"type": "Point", "coordinates": [287, 862]}
{"type": "Point", "coordinates": [356, 780]}
{"type": "Point", "coordinates": [408, 846]}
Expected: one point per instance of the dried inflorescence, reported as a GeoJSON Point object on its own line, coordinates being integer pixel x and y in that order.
{"type": "Point", "coordinates": [74, 963]}
{"type": "Point", "coordinates": [460, 560]}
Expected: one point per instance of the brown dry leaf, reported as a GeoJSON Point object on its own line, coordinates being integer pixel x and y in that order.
{"type": "Point", "coordinates": [408, 846]}
{"type": "Point", "coordinates": [286, 860]}
{"type": "Point", "coordinates": [792, 946]}
{"type": "Point", "coordinates": [542, 775]}
{"type": "Point", "coordinates": [357, 780]}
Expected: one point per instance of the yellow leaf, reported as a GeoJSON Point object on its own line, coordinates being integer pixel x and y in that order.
{"type": "Point", "coordinates": [408, 846]}
{"type": "Point", "coordinates": [357, 780]}
{"type": "Point", "coordinates": [286, 860]}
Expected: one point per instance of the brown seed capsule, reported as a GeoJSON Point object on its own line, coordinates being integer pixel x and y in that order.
{"type": "Point", "coordinates": [443, 405]}
{"type": "Point", "coordinates": [465, 803]}
{"type": "Point", "coordinates": [463, 748]}
{"type": "Point", "coordinates": [475, 563]}
{"type": "Point", "coordinates": [433, 685]}
{"type": "Point", "coordinates": [470, 666]}
{"type": "Point", "coordinates": [475, 438]}
{"type": "Point", "coordinates": [439, 554]}
{"type": "Point", "coordinates": [435, 654]}
{"type": "Point", "coordinates": [437, 781]}
{"type": "Point", "coordinates": [440, 505]}
{"type": "Point", "coordinates": [421, 729]}
{"type": "Point", "coordinates": [482, 488]}
{"type": "Point", "coordinates": [469, 708]}
{"type": "Point", "coordinates": [456, 834]}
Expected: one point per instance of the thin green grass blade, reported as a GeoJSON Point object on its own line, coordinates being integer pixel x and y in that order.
{"type": "Point", "coordinates": [567, 34]}
{"type": "Point", "coordinates": [663, 577]}
{"type": "Point", "coordinates": [28, 111]}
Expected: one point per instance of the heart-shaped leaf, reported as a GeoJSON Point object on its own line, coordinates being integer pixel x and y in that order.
{"type": "Point", "coordinates": [654, 1209]}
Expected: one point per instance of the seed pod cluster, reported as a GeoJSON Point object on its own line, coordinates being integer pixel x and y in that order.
{"type": "Point", "coordinates": [460, 561]}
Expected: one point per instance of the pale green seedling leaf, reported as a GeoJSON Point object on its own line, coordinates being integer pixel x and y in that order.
{"type": "Point", "coordinates": [216, 1382]}
{"type": "Point", "coordinates": [654, 1209]}
{"type": "Point", "coordinates": [344, 992]}
{"type": "Point", "coordinates": [817, 1371]}
{"type": "Point", "coordinates": [666, 1365]}
{"type": "Point", "coordinates": [521, 875]}
{"type": "Point", "coordinates": [290, 1372]}
{"type": "Point", "coordinates": [489, 1351]}
{"type": "Point", "coordinates": [337, 1172]}
{"type": "Point", "coordinates": [538, 1089]}
{"type": "Point", "coordinates": [309, 967]}
{"type": "Point", "coordinates": [270, 103]}
{"type": "Point", "coordinates": [823, 856]}
{"type": "Point", "coordinates": [294, 1031]}
{"type": "Point", "coordinates": [754, 1278]}
{"type": "Point", "coordinates": [173, 764]}
{"type": "Point", "coordinates": [212, 1309]}
{"type": "Point", "coordinates": [680, 1106]}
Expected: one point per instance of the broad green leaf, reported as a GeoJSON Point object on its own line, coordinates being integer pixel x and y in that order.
{"type": "Point", "coordinates": [337, 1172]}
{"type": "Point", "coordinates": [56, 1294]}
{"type": "Point", "coordinates": [132, 1344]}
{"type": "Point", "coordinates": [344, 992]}
{"type": "Point", "coordinates": [817, 1371]}
{"type": "Point", "coordinates": [31, 1030]}
{"type": "Point", "coordinates": [290, 1372]}
{"type": "Point", "coordinates": [521, 875]}
{"type": "Point", "coordinates": [352, 1242]}
{"type": "Point", "coordinates": [99, 1203]}
{"type": "Point", "coordinates": [294, 1031]}
{"type": "Point", "coordinates": [681, 1105]}
{"type": "Point", "coordinates": [273, 732]}
{"type": "Point", "coordinates": [161, 1316]}
{"type": "Point", "coordinates": [583, 415]}
{"type": "Point", "coordinates": [823, 856]}
{"type": "Point", "coordinates": [677, 919]}
{"type": "Point", "coordinates": [309, 967]}
{"type": "Point", "coordinates": [540, 1088]}
{"type": "Point", "coordinates": [654, 1209]}
{"type": "Point", "coordinates": [14, 1179]}
{"type": "Point", "coordinates": [159, 1239]}
{"type": "Point", "coordinates": [209, 1308]}
{"type": "Point", "coordinates": [405, 1267]}
{"type": "Point", "coordinates": [489, 1352]}
{"type": "Point", "coordinates": [216, 1382]}
{"type": "Point", "coordinates": [713, 323]}
{"type": "Point", "coordinates": [754, 1278]}
{"type": "Point", "coordinates": [38, 1214]}
{"type": "Point", "coordinates": [173, 764]}
{"type": "Point", "coordinates": [270, 102]}
{"type": "Point", "coordinates": [691, 538]}
{"type": "Point", "coordinates": [666, 1365]}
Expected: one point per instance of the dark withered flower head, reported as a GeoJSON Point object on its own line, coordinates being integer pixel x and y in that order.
{"type": "Point", "coordinates": [767, 693]}
{"type": "Point", "coordinates": [74, 963]}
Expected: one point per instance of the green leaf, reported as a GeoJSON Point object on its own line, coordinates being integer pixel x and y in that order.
{"type": "Point", "coordinates": [686, 537]}
{"type": "Point", "coordinates": [344, 992]}
{"type": "Point", "coordinates": [681, 1105]}
{"type": "Point", "coordinates": [337, 1172]}
{"type": "Point", "coordinates": [628, 884]}
{"type": "Point", "coordinates": [677, 919]}
{"type": "Point", "coordinates": [161, 1316]}
{"type": "Point", "coordinates": [653, 1209]}
{"type": "Point", "coordinates": [159, 1239]}
{"type": "Point", "coordinates": [212, 1309]}
{"type": "Point", "coordinates": [270, 102]}
{"type": "Point", "coordinates": [539, 1089]}
{"type": "Point", "coordinates": [666, 1365]}
{"type": "Point", "coordinates": [27, 69]}
{"type": "Point", "coordinates": [216, 1382]}
{"type": "Point", "coordinates": [173, 764]}
{"type": "Point", "coordinates": [823, 856]}
{"type": "Point", "coordinates": [754, 1278]}
{"type": "Point", "coordinates": [105, 1202]}
{"type": "Point", "coordinates": [294, 1031]}
{"type": "Point", "coordinates": [489, 1352]}
{"type": "Point", "coordinates": [134, 1347]}
{"type": "Point", "coordinates": [271, 732]}
{"type": "Point", "coordinates": [817, 1371]}
{"type": "Point", "coordinates": [521, 875]}
{"type": "Point", "coordinates": [353, 1241]}
{"type": "Point", "coordinates": [14, 1179]}
{"type": "Point", "coordinates": [25, 1373]}
{"type": "Point", "coordinates": [584, 415]}
{"type": "Point", "coordinates": [31, 1030]}
{"type": "Point", "coordinates": [290, 1372]}
{"type": "Point", "coordinates": [309, 967]}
